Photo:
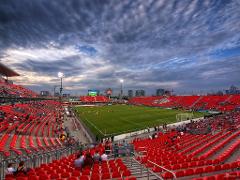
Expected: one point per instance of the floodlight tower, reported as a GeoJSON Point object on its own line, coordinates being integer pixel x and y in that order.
{"type": "Point", "coordinates": [61, 75]}
{"type": "Point", "coordinates": [121, 92]}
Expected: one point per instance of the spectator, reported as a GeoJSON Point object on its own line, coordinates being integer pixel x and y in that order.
{"type": "Point", "coordinates": [78, 163]}
{"type": "Point", "coordinates": [150, 137]}
{"type": "Point", "coordinates": [131, 149]}
{"type": "Point", "coordinates": [97, 138]}
{"type": "Point", "coordinates": [125, 149]}
{"type": "Point", "coordinates": [107, 148]}
{"type": "Point", "coordinates": [88, 162]}
{"type": "Point", "coordinates": [112, 138]}
{"type": "Point", "coordinates": [96, 156]}
{"type": "Point", "coordinates": [104, 157]}
{"type": "Point", "coordinates": [115, 150]}
{"type": "Point", "coordinates": [10, 169]}
{"type": "Point", "coordinates": [153, 136]}
{"type": "Point", "coordinates": [21, 168]}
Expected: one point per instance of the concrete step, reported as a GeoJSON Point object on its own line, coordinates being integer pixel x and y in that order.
{"type": "Point", "coordinates": [7, 145]}
{"type": "Point", "coordinates": [224, 148]}
{"type": "Point", "coordinates": [189, 144]}
{"type": "Point", "coordinates": [210, 147]}
{"type": "Point", "coordinates": [139, 171]}
{"type": "Point", "coordinates": [233, 157]}
{"type": "Point", "coordinates": [146, 178]}
{"type": "Point", "coordinates": [18, 141]}
{"type": "Point", "coordinates": [202, 144]}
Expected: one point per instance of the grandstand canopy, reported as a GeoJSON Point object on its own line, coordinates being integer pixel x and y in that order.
{"type": "Point", "coordinates": [5, 71]}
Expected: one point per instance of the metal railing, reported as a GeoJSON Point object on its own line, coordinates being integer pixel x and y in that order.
{"type": "Point", "coordinates": [148, 169]}
{"type": "Point", "coordinates": [36, 159]}
{"type": "Point", "coordinates": [174, 175]}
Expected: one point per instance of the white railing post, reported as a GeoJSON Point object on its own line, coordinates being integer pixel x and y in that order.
{"type": "Point", "coordinates": [174, 175]}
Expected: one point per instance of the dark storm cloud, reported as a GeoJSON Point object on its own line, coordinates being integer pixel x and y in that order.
{"type": "Point", "coordinates": [152, 43]}
{"type": "Point", "coordinates": [66, 65]}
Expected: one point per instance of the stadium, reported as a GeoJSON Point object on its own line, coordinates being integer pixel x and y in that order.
{"type": "Point", "coordinates": [124, 90]}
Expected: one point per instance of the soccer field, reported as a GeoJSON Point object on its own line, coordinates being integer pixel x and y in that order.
{"type": "Point", "coordinates": [118, 119]}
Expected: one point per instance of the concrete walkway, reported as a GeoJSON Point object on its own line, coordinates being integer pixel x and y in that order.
{"type": "Point", "coordinates": [75, 130]}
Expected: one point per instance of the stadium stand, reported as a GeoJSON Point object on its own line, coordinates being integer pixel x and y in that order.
{"type": "Point", "coordinates": [64, 168]}
{"type": "Point", "coordinates": [8, 89]}
{"type": "Point", "coordinates": [208, 102]}
{"type": "Point", "coordinates": [94, 99]}
{"type": "Point", "coordinates": [192, 156]}
{"type": "Point", "coordinates": [176, 153]}
{"type": "Point", "coordinates": [204, 149]}
{"type": "Point", "coordinates": [22, 124]}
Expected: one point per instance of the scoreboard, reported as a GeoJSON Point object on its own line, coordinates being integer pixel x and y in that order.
{"type": "Point", "coordinates": [93, 92]}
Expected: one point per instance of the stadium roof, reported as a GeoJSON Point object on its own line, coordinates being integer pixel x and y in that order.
{"type": "Point", "coordinates": [4, 70]}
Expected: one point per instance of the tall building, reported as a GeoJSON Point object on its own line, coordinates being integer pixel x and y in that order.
{"type": "Point", "coordinates": [66, 95]}
{"type": "Point", "coordinates": [160, 92]}
{"type": "Point", "coordinates": [130, 93]}
{"type": "Point", "coordinates": [233, 90]}
{"type": "Point", "coordinates": [56, 94]}
{"type": "Point", "coordinates": [44, 93]}
{"type": "Point", "coordinates": [140, 93]}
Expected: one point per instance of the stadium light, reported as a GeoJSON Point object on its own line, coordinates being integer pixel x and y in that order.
{"type": "Point", "coordinates": [61, 75]}
{"type": "Point", "coordinates": [121, 92]}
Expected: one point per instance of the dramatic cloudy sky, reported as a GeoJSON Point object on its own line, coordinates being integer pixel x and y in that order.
{"type": "Point", "coordinates": [184, 45]}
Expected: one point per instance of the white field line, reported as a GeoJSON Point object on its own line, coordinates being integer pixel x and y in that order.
{"type": "Point", "coordinates": [140, 128]}
{"type": "Point", "coordinates": [94, 126]}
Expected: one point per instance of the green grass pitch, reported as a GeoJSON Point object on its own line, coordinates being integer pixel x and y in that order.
{"type": "Point", "coordinates": [118, 119]}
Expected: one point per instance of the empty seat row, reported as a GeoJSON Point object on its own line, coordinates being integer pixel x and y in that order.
{"type": "Point", "coordinates": [25, 126]}
{"type": "Point", "coordinates": [208, 102]}
{"type": "Point", "coordinates": [93, 99]}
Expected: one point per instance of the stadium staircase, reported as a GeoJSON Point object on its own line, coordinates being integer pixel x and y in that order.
{"type": "Point", "coordinates": [199, 99]}
{"type": "Point", "coordinates": [228, 99]}
{"type": "Point", "coordinates": [224, 105]}
{"type": "Point", "coordinates": [138, 170]}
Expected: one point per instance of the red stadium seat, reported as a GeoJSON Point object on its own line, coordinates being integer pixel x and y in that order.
{"type": "Point", "coordinates": [84, 177]}
{"type": "Point", "coordinates": [106, 176]}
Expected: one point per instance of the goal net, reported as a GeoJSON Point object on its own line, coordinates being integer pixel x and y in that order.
{"type": "Point", "coordinates": [184, 116]}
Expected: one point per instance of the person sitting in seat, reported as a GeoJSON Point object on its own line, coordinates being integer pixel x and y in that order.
{"type": "Point", "coordinates": [10, 169]}
{"type": "Point", "coordinates": [78, 163]}
{"type": "Point", "coordinates": [96, 156]}
{"type": "Point", "coordinates": [88, 162]}
{"type": "Point", "coordinates": [21, 168]}
{"type": "Point", "coordinates": [107, 147]}
{"type": "Point", "coordinates": [104, 157]}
